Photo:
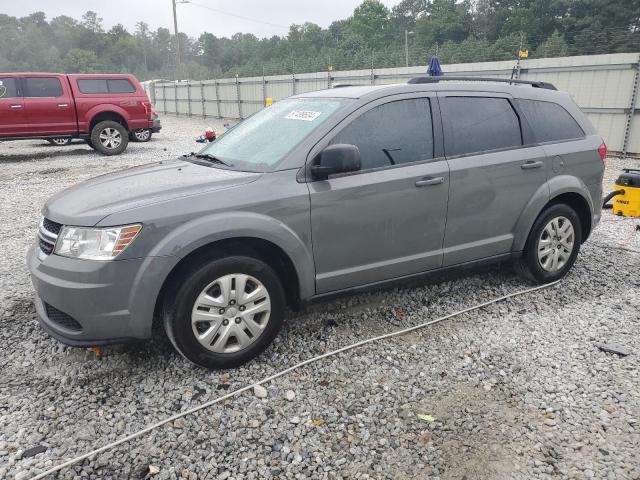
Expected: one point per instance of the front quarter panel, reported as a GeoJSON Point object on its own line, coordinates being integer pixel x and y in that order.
{"type": "Point", "coordinates": [274, 208]}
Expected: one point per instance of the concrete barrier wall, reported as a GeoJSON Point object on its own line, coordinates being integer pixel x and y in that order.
{"type": "Point", "coordinates": [604, 86]}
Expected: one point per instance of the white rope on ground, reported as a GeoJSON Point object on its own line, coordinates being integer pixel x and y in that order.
{"type": "Point", "coordinates": [139, 433]}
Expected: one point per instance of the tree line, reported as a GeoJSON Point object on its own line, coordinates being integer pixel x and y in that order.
{"type": "Point", "coordinates": [374, 35]}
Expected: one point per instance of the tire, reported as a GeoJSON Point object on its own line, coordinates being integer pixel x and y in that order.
{"type": "Point", "coordinates": [224, 328]}
{"type": "Point", "coordinates": [555, 229]}
{"type": "Point", "coordinates": [59, 142]}
{"type": "Point", "coordinates": [109, 138]}
{"type": "Point", "coordinates": [90, 143]}
{"type": "Point", "coordinates": [140, 135]}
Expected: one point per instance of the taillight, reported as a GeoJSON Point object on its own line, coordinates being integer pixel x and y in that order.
{"type": "Point", "coordinates": [147, 108]}
{"type": "Point", "coordinates": [602, 151]}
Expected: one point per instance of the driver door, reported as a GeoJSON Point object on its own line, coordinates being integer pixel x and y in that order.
{"type": "Point", "coordinates": [13, 119]}
{"type": "Point", "coordinates": [388, 219]}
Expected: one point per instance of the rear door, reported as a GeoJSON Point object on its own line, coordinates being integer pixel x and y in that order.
{"type": "Point", "coordinates": [386, 220]}
{"type": "Point", "coordinates": [495, 171]}
{"type": "Point", "coordinates": [49, 105]}
{"type": "Point", "coordinates": [13, 119]}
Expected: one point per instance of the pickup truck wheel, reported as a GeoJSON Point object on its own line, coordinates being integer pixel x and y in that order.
{"type": "Point", "coordinates": [109, 138]}
{"type": "Point", "coordinates": [225, 312]}
{"type": "Point", "coordinates": [552, 246]}
{"type": "Point", "coordinates": [60, 142]}
{"type": "Point", "coordinates": [140, 135]}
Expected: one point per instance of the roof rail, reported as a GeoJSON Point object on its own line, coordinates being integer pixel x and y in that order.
{"type": "Point", "coordinates": [429, 79]}
{"type": "Point", "coordinates": [342, 85]}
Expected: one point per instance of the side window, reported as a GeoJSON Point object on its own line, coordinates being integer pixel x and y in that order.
{"type": "Point", "coordinates": [550, 122]}
{"type": "Point", "coordinates": [8, 88]}
{"type": "Point", "coordinates": [105, 85]}
{"type": "Point", "coordinates": [42, 87]}
{"type": "Point", "coordinates": [478, 124]}
{"type": "Point", "coordinates": [390, 134]}
{"type": "Point", "coordinates": [93, 85]}
{"type": "Point", "coordinates": [117, 85]}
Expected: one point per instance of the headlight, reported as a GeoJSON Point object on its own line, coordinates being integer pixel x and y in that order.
{"type": "Point", "coordinates": [95, 243]}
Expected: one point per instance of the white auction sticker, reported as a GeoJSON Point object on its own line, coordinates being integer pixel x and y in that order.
{"type": "Point", "coordinates": [304, 115]}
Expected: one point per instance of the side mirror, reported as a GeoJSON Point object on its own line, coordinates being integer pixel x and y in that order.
{"type": "Point", "coordinates": [338, 158]}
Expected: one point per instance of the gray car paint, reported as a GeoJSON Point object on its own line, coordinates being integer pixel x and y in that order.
{"type": "Point", "coordinates": [337, 232]}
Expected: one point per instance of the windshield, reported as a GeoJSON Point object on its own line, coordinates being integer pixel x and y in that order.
{"type": "Point", "coordinates": [262, 140]}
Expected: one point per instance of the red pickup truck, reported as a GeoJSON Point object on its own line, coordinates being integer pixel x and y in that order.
{"type": "Point", "coordinates": [104, 110]}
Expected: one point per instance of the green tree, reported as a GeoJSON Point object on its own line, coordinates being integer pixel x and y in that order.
{"type": "Point", "coordinates": [81, 61]}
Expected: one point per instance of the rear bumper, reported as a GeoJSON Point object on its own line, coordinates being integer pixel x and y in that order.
{"type": "Point", "coordinates": [106, 302]}
{"type": "Point", "coordinates": [157, 126]}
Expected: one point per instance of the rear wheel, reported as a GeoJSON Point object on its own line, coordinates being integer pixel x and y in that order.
{"type": "Point", "coordinates": [109, 138]}
{"type": "Point", "coordinates": [225, 312]}
{"type": "Point", "coordinates": [60, 142]}
{"type": "Point", "coordinates": [552, 246]}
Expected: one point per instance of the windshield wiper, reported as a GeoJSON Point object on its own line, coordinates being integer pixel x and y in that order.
{"type": "Point", "coordinates": [211, 158]}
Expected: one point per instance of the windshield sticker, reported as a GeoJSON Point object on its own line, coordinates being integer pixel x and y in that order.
{"type": "Point", "coordinates": [303, 115]}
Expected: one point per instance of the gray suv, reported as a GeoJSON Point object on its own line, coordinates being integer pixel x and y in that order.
{"type": "Point", "coordinates": [320, 194]}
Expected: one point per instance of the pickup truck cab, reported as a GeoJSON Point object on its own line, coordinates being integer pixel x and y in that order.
{"type": "Point", "coordinates": [101, 109]}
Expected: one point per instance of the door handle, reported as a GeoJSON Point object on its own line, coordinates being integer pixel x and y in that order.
{"type": "Point", "coordinates": [16, 107]}
{"type": "Point", "coordinates": [63, 105]}
{"type": "Point", "coordinates": [429, 181]}
{"type": "Point", "coordinates": [530, 165]}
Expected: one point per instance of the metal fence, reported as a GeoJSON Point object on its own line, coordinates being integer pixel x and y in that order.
{"type": "Point", "coordinates": [604, 86]}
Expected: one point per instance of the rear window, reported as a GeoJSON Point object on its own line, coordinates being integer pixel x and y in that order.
{"type": "Point", "coordinates": [8, 87]}
{"type": "Point", "coordinates": [550, 122]}
{"type": "Point", "coordinates": [42, 87]}
{"type": "Point", "coordinates": [105, 85]}
{"type": "Point", "coordinates": [478, 124]}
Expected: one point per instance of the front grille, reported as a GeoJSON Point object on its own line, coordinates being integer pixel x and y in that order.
{"type": "Point", "coordinates": [51, 226]}
{"type": "Point", "coordinates": [62, 319]}
{"type": "Point", "coordinates": [47, 235]}
{"type": "Point", "coordinates": [46, 247]}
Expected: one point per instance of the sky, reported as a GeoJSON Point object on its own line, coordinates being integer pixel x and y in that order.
{"type": "Point", "coordinates": [263, 18]}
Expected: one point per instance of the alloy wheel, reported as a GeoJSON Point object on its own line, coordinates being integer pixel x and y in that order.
{"type": "Point", "coordinates": [142, 134]}
{"type": "Point", "coordinates": [110, 138]}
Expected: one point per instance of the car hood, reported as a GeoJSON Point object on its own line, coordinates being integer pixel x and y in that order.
{"type": "Point", "coordinates": [87, 203]}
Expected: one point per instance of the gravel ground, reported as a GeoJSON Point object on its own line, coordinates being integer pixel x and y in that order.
{"type": "Point", "coordinates": [518, 389]}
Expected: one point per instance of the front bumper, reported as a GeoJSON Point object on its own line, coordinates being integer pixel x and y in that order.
{"type": "Point", "coordinates": [85, 302]}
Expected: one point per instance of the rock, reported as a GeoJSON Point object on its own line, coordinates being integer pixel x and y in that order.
{"type": "Point", "coordinates": [295, 420]}
{"type": "Point", "coordinates": [290, 395]}
{"type": "Point", "coordinates": [179, 423]}
{"type": "Point", "coordinates": [30, 452]}
{"type": "Point", "coordinates": [614, 348]}
{"type": "Point", "coordinates": [259, 391]}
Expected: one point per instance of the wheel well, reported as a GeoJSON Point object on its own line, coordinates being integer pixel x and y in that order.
{"type": "Point", "coordinates": [258, 248]}
{"type": "Point", "coordinates": [101, 117]}
{"type": "Point", "coordinates": [580, 205]}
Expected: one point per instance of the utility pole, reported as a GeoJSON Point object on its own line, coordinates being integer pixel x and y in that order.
{"type": "Point", "coordinates": [175, 30]}
{"type": "Point", "coordinates": [406, 46]}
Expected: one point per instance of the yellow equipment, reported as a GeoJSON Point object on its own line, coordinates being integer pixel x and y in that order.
{"type": "Point", "coordinates": [626, 199]}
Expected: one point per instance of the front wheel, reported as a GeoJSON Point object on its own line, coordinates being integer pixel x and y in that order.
{"type": "Point", "coordinates": [59, 142]}
{"type": "Point", "coordinates": [225, 312]}
{"type": "Point", "coordinates": [109, 138]}
{"type": "Point", "coordinates": [552, 246]}
{"type": "Point", "coordinates": [140, 135]}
